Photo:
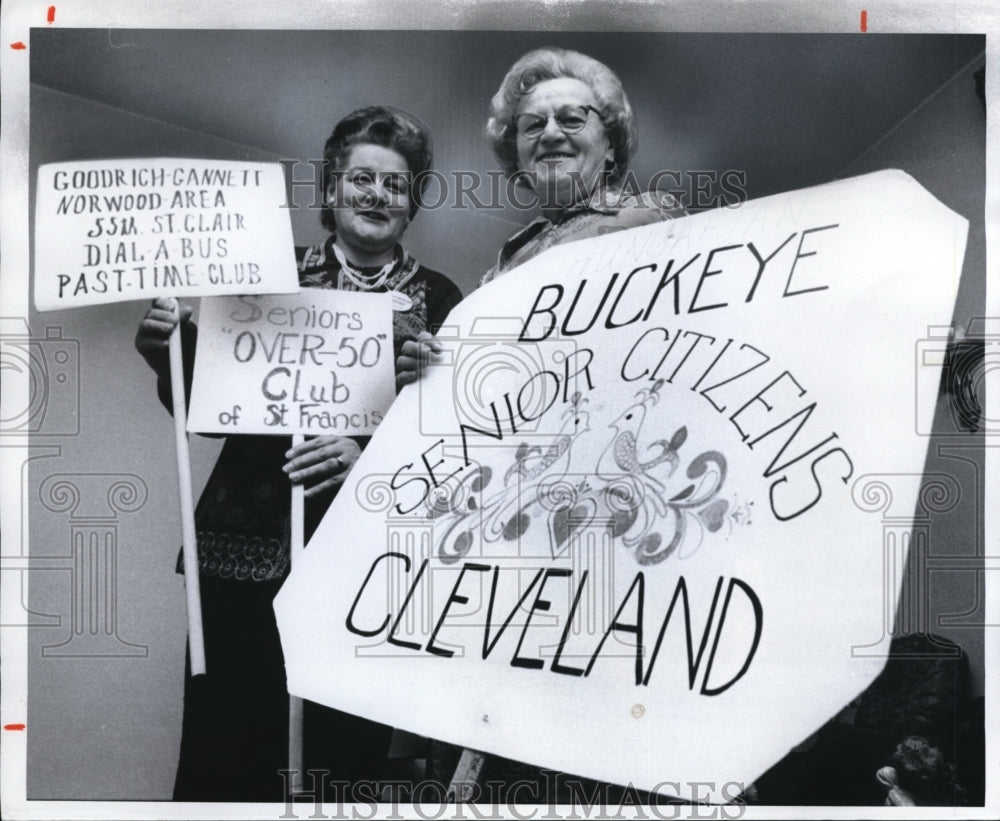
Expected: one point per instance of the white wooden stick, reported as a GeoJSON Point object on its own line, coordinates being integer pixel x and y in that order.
{"type": "Point", "coordinates": [295, 757]}
{"type": "Point", "coordinates": [295, 723]}
{"type": "Point", "coordinates": [298, 509]}
{"type": "Point", "coordinates": [196, 640]}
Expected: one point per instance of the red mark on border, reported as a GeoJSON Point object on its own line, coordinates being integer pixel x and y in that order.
{"type": "Point", "coordinates": [864, 21]}
{"type": "Point", "coordinates": [18, 45]}
{"type": "Point", "coordinates": [52, 14]}
{"type": "Point", "coordinates": [13, 726]}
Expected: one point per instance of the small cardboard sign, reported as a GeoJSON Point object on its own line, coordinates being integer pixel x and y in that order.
{"type": "Point", "coordinates": [315, 362]}
{"type": "Point", "coordinates": [118, 230]}
{"type": "Point", "coordinates": [635, 538]}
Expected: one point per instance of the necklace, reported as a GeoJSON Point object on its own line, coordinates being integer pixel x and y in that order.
{"type": "Point", "coordinates": [361, 279]}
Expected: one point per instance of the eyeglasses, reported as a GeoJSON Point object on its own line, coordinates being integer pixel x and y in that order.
{"type": "Point", "coordinates": [570, 120]}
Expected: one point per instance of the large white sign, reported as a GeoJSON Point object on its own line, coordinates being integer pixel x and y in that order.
{"type": "Point", "coordinates": [315, 362]}
{"type": "Point", "coordinates": [621, 531]}
{"type": "Point", "coordinates": [116, 230]}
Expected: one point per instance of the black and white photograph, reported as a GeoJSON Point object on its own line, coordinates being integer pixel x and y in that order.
{"type": "Point", "coordinates": [537, 410]}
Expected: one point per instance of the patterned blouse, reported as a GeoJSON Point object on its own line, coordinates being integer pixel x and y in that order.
{"type": "Point", "coordinates": [607, 211]}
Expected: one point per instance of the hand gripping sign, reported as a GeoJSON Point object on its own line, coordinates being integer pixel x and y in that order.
{"type": "Point", "coordinates": [630, 537]}
{"type": "Point", "coordinates": [119, 230]}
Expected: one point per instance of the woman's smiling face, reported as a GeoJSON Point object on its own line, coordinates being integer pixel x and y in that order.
{"type": "Point", "coordinates": [562, 163]}
{"type": "Point", "coordinates": [372, 206]}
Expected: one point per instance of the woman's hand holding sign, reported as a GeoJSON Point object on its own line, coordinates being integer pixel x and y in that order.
{"type": "Point", "coordinates": [413, 358]}
{"type": "Point", "coordinates": [153, 337]}
{"type": "Point", "coordinates": [323, 462]}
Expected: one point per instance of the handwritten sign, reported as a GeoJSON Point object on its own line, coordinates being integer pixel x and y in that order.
{"type": "Point", "coordinates": [315, 362]}
{"type": "Point", "coordinates": [640, 525]}
{"type": "Point", "coordinates": [116, 230]}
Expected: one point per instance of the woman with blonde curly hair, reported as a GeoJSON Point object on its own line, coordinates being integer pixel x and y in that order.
{"type": "Point", "coordinates": [562, 126]}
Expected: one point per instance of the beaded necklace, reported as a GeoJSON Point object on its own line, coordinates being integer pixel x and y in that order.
{"type": "Point", "coordinates": [362, 279]}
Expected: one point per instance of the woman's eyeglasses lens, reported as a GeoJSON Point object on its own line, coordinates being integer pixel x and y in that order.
{"type": "Point", "coordinates": [570, 121]}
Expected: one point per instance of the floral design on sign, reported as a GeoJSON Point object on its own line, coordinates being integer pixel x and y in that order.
{"type": "Point", "coordinates": [655, 500]}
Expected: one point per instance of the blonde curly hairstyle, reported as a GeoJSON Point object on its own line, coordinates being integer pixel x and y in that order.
{"type": "Point", "coordinates": [551, 64]}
